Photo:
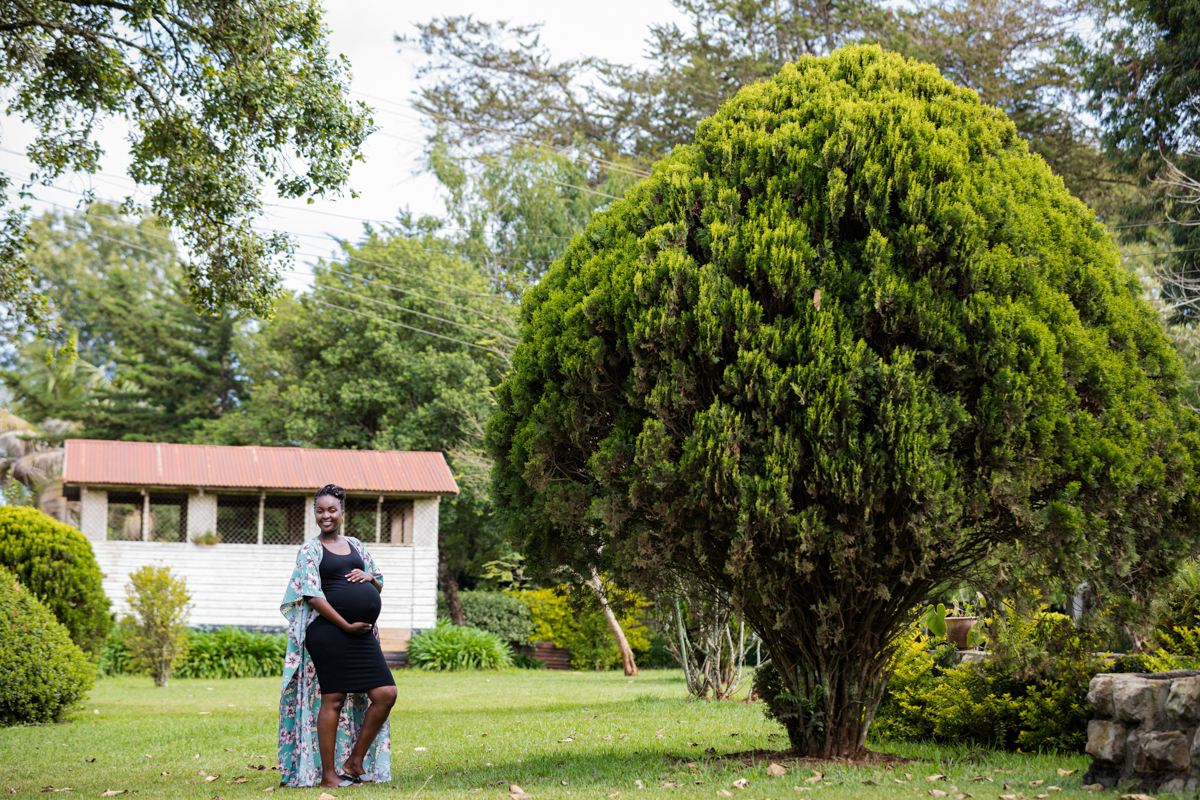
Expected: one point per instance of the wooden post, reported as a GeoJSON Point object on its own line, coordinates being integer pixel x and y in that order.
{"type": "Point", "coordinates": [145, 516]}
{"type": "Point", "coordinates": [262, 501]}
{"type": "Point", "coordinates": [378, 518]}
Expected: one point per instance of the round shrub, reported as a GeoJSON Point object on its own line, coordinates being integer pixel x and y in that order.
{"type": "Point", "coordinates": [55, 562]}
{"type": "Point", "coordinates": [43, 674]}
{"type": "Point", "coordinates": [454, 647]}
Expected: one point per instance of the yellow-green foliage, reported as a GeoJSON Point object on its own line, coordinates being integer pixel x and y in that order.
{"type": "Point", "coordinates": [43, 674]}
{"type": "Point", "coordinates": [1178, 651]}
{"type": "Point", "coordinates": [1029, 694]}
{"type": "Point", "coordinates": [157, 631]}
{"type": "Point", "coordinates": [571, 624]}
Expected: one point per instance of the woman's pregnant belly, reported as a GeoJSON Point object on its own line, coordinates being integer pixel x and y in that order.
{"type": "Point", "coordinates": [356, 602]}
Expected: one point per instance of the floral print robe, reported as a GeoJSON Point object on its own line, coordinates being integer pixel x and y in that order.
{"type": "Point", "coordinates": [300, 700]}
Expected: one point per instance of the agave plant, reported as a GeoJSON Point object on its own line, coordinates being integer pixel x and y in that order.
{"type": "Point", "coordinates": [32, 455]}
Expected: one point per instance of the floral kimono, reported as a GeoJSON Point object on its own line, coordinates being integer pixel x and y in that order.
{"type": "Point", "coordinates": [299, 755]}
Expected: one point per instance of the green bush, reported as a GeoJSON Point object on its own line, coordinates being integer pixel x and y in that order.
{"type": "Point", "coordinates": [453, 647]}
{"type": "Point", "coordinates": [157, 630]}
{"type": "Point", "coordinates": [1029, 694]}
{"type": "Point", "coordinates": [43, 674]}
{"type": "Point", "coordinates": [572, 624]}
{"type": "Point", "coordinates": [55, 562]}
{"type": "Point", "coordinates": [225, 653]}
{"type": "Point", "coordinates": [498, 612]}
{"type": "Point", "coordinates": [233, 653]}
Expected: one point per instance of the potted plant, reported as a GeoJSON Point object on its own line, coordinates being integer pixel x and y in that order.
{"type": "Point", "coordinates": [958, 625]}
{"type": "Point", "coordinates": [207, 538]}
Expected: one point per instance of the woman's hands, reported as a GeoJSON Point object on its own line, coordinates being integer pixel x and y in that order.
{"type": "Point", "coordinates": [358, 576]}
{"type": "Point", "coordinates": [358, 628]}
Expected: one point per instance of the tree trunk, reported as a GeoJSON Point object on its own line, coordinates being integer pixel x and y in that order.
{"type": "Point", "coordinates": [833, 702]}
{"type": "Point", "coordinates": [449, 588]}
{"type": "Point", "coordinates": [627, 662]}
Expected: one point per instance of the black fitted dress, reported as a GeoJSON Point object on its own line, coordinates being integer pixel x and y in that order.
{"type": "Point", "coordinates": [346, 662]}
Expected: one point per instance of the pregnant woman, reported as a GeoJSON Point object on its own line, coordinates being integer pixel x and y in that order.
{"type": "Point", "coordinates": [334, 662]}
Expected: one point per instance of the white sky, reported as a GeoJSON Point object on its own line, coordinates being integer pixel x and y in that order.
{"type": "Point", "coordinates": [383, 77]}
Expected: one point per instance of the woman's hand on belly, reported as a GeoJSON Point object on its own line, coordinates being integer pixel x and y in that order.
{"type": "Point", "coordinates": [358, 628]}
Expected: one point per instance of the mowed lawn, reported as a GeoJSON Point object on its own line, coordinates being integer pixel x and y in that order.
{"type": "Point", "coordinates": [554, 734]}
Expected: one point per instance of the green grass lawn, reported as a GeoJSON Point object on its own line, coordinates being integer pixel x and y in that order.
{"type": "Point", "coordinates": [473, 735]}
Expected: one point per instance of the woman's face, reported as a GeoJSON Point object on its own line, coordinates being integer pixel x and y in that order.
{"type": "Point", "coordinates": [329, 513]}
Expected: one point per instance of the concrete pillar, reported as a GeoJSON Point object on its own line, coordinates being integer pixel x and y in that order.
{"type": "Point", "coordinates": [93, 513]}
{"type": "Point", "coordinates": [202, 514]}
{"type": "Point", "coordinates": [262, 501]}
{"type": "Point", "coordinates": [425, 522]}
{"type": "Point", "coordinates": [310, 522]}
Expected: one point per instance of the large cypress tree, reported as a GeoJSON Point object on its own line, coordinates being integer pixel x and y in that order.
{"type": "Point", "coordinates": [850, 345]}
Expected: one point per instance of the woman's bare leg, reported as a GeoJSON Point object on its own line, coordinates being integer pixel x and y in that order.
{"type": "Point", "coordinates": [382, 700]}
{"type": "Point", "coordinates": [327, 726]}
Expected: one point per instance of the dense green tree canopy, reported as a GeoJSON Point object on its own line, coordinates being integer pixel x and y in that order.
{"type": "Point", "coordinates": [220, 98]}
{"type": "Point", "coordinates": [852, 343]}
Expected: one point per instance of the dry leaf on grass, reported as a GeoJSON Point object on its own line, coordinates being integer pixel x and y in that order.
{"type": "Point", "coordinates": [52, 789]}
{"type": "Point", "coordinates": [1093, 787]}
{"type": "Point", "coordinates": [938, 777]}
{"type": "Point", "coordinates": [91, 760]}
{"type": "Point", "coordinates": [1062, 773]}
{"type": "Point", "coordinates": [776, 770]}
{"type": "Point", "coordinates": [239, 779]}
{"type": "Point", "coordinates": [211, 778]}
{"type": "Point", "coordinates": [164, 774]}
{"type": "Point", "coordinates": [741, 783]}
{"type": "Point", "coordinates": [871, 783]}
{"type": "Point", "coordinates": [963, 796]}
{"type": "Point", "coordinates": [326, 796]}
{"type": "Point", "coordinates": [1008, 797]}
{"type": "Point", "coordinates": [724, 793]}
{"type": "Point", "coordinates": [1036, 783]}
{"type": "Point", "coordinates": [1053, 788]}
{"type": "Point", "coordinates": [937, 793]}
{"type": "Point", "coordinates": [114, 792]}
{"type": "Point", "coordinates": [667, 784]}
{"type": "Point", "coordinates": [1136, 797]}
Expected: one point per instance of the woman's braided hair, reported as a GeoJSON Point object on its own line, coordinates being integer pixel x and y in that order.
{"type": "Point", "coordinates": [330, 490]}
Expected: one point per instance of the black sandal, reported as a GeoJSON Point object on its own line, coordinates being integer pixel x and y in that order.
{"type": "Point", "coordinates": [349, 780]}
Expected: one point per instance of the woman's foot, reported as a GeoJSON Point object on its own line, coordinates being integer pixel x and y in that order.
{"type": "Point", "coordinates": [331, 780]}
{"type": "Point", "coordinates": [353, 768]}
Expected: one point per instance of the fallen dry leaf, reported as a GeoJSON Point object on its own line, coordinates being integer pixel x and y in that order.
{"type": "Point", "coordinates": [908, 775]}
{"type": "Point", "coordinates": [937, 793]}
{"type": "Point", "coordinates": [114, 792]}
{"type": "Point", "coordinates": [211, 778]}
{"type": "Point", "coordinates": [667, 784]}
{"type": "Point", "coordinates": [615, 794]}
{"type": "Point", "coordinates": [52, 789]}
{"type": "Point", "coordinates": [90, 760]}
{"type": "Point", "coordinates": [1062, 773]}
{"type": "Point", "coordinates": [1036, 783]}
{"type": "Point", "coordinates": [164, 774]}
{"type": "Point", "coordinates": [724, 793]}
{"type": "Point", "coordinates": [897, 780]}
{"type": "Point", "coordinates": [938, 777]}
{"type": "Point", "coordinates": [568, 739]}
{"type": "Point", "coordinates": [871, 783]}
{"type": "Point", "coordinates": [1053, 789]}
{"type": "Point", "coordinates": [1008, 797]}
{"type": "Point", "coordinates": [1093, 787]}
{"type": "Point", "coordinates": [741, 783]}
{"type": "Point", "coordinates": [269, 789]}
{"type": "Point", "coordinates": [514, 789]}
{"type": "Point", "coordinates": [239, 779]}
{"type": "Point", "coordinates": [814, 779]}
{"type": "Point", "coordinates": [1042, 796]}
{"type": "Point", "coordinates": [326, 796]}
{"type": "Point", "coordinates": [963, 796]}
{"type": "Point", "coordinates": [776, 770]}
{"type": "Point", "coordinates": [1136, 797]}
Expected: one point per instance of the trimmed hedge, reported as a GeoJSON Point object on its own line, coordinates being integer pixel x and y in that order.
{"type": "Point", "coordinates": [43, 674]}
{"type": "Point", "coordinates": [497, 612]}
{"type": "Point", "coordinates": [55, 562]}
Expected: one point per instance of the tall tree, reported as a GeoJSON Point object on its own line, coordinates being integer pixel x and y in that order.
{"type": "Point", "coordinates": [853, 344]}
{"type": "Point", "coordinates": [1144, 79]}
{"type": "Point", "coordinates": [219, 97]}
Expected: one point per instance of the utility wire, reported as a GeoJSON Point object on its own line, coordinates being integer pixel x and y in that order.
{"type": "Point", "coordinates": [410, 327]}
{"type": "Point", "coordinates": [383, 285]}
{"type": "Point", "coordinates": [419, 313]}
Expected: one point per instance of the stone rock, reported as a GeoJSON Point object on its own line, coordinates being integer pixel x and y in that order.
{"type": "Point", "coordinates": [1100, 696]}
{"type": "Point", "coordinates": [1174, 785]}
{"type": "Point", "coordinates": [1183, 702]}
{"type": "Point", "coordinates": [1106, 741]}
{"type": "Point", "coordinates": [1136, 700]}
{"type": "Point", "coordinates": [1162, 751]}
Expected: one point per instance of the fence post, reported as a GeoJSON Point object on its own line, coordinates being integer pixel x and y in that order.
{"type": "Point", "coordinates": [378, 518]}
{"type": "Point", "coordinates": [262, 500]}
{"type": "Point", "coordinates": [145, 515]}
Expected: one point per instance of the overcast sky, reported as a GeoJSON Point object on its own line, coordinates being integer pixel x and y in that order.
{"type": "Point", "coordinates": [389, 179]}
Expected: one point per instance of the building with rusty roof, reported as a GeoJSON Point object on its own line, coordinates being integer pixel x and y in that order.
{"type": "Point", "coordinates": [230, 519]}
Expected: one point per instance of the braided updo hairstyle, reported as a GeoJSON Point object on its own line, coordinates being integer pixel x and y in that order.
{"type": "Point", "coordinates": [330, 490]}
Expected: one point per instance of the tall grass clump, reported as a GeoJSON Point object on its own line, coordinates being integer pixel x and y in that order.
{"type": "Point", "coordinates": [451, 647]}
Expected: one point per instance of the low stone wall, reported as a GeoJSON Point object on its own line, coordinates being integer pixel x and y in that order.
{"type": "Point", "coordinates": [1145, 730]}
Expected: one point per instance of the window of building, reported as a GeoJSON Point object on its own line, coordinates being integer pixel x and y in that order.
{"type": "Point", "coordinates": [237, 518]}
{"type": "Point", "coordinates": [124, 517]}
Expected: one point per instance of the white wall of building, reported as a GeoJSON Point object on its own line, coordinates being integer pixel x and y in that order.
{"type": "Point", "coordinates": [243, 584]}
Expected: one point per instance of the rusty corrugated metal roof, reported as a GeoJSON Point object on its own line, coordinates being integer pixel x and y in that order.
{"type": "Point", "coordinates": [91, 461]}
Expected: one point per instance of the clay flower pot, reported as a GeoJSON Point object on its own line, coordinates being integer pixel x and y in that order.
{"type": "Point", "coordinates": [957, 629]}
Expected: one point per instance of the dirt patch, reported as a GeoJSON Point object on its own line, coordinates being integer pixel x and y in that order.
{"type": "Point", "coordinates": [793, 760]}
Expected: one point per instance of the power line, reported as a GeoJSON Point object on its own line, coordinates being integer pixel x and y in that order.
{"type": "Point", "coordinates": [383, 285]}
{"type": "Point", "coordinates": [410, 327]}
{"type": "Point", "coordinates": [420, 313]}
